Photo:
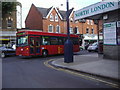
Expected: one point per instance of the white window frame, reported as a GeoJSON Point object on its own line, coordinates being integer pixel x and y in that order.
{"type": "Point", "coordinates": [57, 28]}
{"type": "Point", "coordinates": [78, 30]}
{"type": "Point", "coordinates": [76, 21]}
{"type": "Point", "coordinates": [71, 19]}
{"type": "Point", "coordinates": [51, 17]}
{"type": "Point", "coordinates": [91, 22]}
{"type": "Point", "coordinates": [56, 18]}
{"type": "Point", "coordinates": [49, 28]}
{"type": "Point", "coordinates": [88, 22]}
{"type": "Point", "coordinates": [71, 30]}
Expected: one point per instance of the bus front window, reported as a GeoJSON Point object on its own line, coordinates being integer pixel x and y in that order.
{"type": "Point", "coordinates": [22, 41]}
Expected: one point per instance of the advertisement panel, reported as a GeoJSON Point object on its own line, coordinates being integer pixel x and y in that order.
{"type": "Point", "coordinates": [118, 32]}
{"type": "Point", "coordinates": [110, 33]}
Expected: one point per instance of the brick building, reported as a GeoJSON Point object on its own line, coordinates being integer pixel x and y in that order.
{"type": "Point", "coordinates": [53, 20]}
{"type": "Point", "coordinates": [8, 24]}
{"type": "Point", "coordinates": [8, 30]}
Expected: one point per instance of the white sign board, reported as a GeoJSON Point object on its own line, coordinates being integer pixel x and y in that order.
{"type": "Point", "coordinates": [118, 32]}
{"type": "Point", "coordinates": [98, 8]}
{"type": "Point", "coordinates": [110, 33]}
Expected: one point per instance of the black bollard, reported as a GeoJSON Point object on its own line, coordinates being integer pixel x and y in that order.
{"type": "Point", "coordinates": [68, 51]}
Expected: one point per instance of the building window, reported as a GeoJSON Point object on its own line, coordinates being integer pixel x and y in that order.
{"type": "Point", "coordinates": [88, 21]}
{"type": "Point", "coordinates": [56, 17]}
{"type": "Point", "coordinates": [51, 17]}
{"type": "Point", "coordinates": [71, 19]}
{"type": "Point", "coordinates": [91, 22]}
{"type": "Point", "coordinates": [45, 40]}
{"type": "Point", "coordinates": [50, 28]}
{"type": "Point", "coordinates": [57, 29]}
{"type": "Point", "coordinates": [9, 22]}
{"type": "Point", "coordinates": [78, 30]}
{"type": "Point", "coordinates": [76, 21]}
{"type": "Point", "coordinates": [71, 30]}
{"type": "Point", "coordinates": [92, 31]}
{"type": "Point", "coordinates": [87, 30]}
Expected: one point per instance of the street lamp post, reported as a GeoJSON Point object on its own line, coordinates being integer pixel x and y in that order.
{"type": "Point", "coordinates": [68, 46]}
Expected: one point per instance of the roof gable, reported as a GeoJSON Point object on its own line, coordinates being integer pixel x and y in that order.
{"type": "Point", "coordinates": [63, 13]}
{"type": "Point", "coordinates": [47, 11]}
{"type": "Point", "coordinates": [44, 11]}
{"type": "Point", "coordinates": [56, 11]}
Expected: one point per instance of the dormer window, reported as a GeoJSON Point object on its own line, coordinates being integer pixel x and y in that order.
{"type": "Point", "coordinates": [71, 19]}
{"type": "Point", "coordinates": [56, 17]}
{"type": "Point", "coordinates": [51, 17]}
{"type": "Point", "coordinates": [88, 22]}
{"type": "Point", "coordinates": [91, 22]}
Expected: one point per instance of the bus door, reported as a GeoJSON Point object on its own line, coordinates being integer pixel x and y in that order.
{"type": "Point", "coordinates": [34, 45]}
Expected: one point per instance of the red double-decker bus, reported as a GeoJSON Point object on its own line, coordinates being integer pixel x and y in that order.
{"type": "Point", "coordinates": [34, 43]}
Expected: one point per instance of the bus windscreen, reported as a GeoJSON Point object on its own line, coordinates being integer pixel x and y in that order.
{"type": "Point", "coordinates": [22, 41]}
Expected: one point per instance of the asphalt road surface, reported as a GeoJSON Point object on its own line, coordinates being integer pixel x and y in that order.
{"type": "Point", "coordinates": [32, 73]}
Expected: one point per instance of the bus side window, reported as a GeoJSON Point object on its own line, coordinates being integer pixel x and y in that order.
{"type": "Point", "coordinates": [61, 41]}
{"type": "Point", "coordinates": [54, 40]}
{"type": "Point", "coordinates": [45, 40]}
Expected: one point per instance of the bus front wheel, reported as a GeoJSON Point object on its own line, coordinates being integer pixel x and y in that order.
{"type": "Point", "coordinates": [45, 53]}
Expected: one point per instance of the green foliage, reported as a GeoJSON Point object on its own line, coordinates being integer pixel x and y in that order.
{"type": "Point", "coordinates": [8, 7]}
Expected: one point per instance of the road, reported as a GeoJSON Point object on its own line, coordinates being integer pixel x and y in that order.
{"type": "Point", "coordinates": [32, 73]}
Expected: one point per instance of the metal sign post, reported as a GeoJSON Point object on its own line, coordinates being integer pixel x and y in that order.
{"type": "Point", "coordinates": [68, 46]}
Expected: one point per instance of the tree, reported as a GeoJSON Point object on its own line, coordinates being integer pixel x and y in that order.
{"type": "Point", "coordinates": [8, 7]}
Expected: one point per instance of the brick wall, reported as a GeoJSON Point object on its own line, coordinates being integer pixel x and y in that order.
{"type": "Point", "coordinates": [47, 22]}
{"type": "Point", "coordinates": [34, 19]}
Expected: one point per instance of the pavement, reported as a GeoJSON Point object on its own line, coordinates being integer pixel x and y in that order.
{"type": "Point", "coordinates": [92, 64]}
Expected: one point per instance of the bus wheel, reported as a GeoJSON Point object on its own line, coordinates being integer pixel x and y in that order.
{"type": "Point", "coordinates": [45, 53]}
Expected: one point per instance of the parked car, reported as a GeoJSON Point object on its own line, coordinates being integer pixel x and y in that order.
{"type": "Point", "coordinates": [81, 48]}
{"type": "Point", "coordinates": [86, 46]}
{"type": "Point", "coordinates": [6, 51]}
{"type": "Point", "coordinates": [93, 47]}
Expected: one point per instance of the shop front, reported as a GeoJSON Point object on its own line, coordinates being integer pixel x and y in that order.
{"type": "Point", "coordinates": [106, 11]}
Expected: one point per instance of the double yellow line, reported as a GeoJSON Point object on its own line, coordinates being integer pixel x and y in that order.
{"type": "Point", "coordinates": [46, 63]}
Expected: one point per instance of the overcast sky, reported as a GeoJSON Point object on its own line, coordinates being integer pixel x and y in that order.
{"type": "Point", "coordinates": [77, 4]}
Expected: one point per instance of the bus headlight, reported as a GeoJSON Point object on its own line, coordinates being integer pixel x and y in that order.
{"type": "Point", "coordinates": [21, 49]}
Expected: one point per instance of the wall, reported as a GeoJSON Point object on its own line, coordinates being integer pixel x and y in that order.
{"type": "Point", "coordinates": [47, 22]}
{"type": "Point", "coordinates": [34, 19]}
{"type": "Point", "coordinates": [112, 51]}
{"type": "Point", "coordinates": [8, 33]}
